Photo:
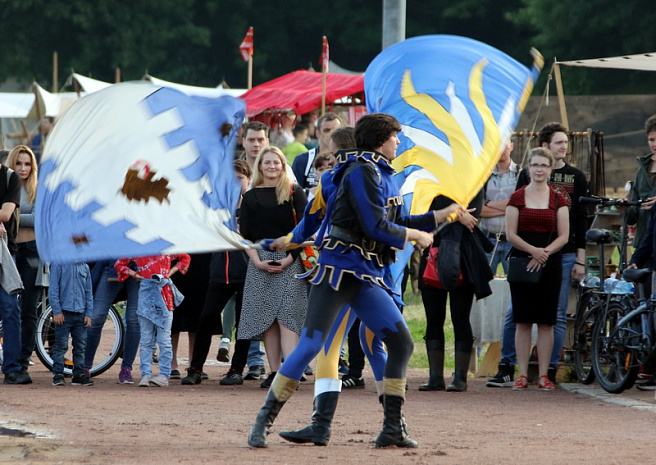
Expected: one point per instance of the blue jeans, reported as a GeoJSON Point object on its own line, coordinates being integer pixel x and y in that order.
{"type": "Point", "coordinates": [255, 354]}
{"type": "Point", "coordinates": [150, 333]}
{"type": "Point", "coordinates": [500, 255]}
{"type": "Point", "coordinates": [73, 325]}
{"type": "Point", "coordinates": [508, 354]}
{"type": "Point", "coordinates": [561, 319]}
{"type": "Point", "coordinates": [11, 323]}
{"type": "Point", "coordinates": [103, 297]}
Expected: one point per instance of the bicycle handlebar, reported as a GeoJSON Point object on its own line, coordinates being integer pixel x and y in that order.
{"type": "Point", "coordinates": [608, 202]}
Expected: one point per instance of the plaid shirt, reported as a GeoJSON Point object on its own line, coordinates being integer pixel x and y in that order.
{"type": "Point", "coordinates": [500, 186]}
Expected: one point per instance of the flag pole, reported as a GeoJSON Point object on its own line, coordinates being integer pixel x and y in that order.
{"type": "Point", "coordinates": [250, 72]}
{"type": "Point", "coordinates": [324, 73]}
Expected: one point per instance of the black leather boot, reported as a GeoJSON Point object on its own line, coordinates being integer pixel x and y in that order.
{"type": "Point", "coordinates": [281, 390]}
{"type": "Point", "coordinates": [435, 352]}
{"type": "Point", "coordinates": [462, 357]}
{"type": "Point", "coordinates": [393, 433]}
{"type": "Point", "coordinates": [318, 432]}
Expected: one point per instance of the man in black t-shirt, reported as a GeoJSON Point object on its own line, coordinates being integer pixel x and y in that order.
{"type": "Point", "coordinates": [9, 310]}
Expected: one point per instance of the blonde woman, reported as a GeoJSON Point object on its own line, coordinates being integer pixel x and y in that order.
{"type": "Point", "coordinates": [22, 160]}
{"type": "Point", "coordinates": [275, 302]}
{"type": "Point", "coordinates": [537, 226]}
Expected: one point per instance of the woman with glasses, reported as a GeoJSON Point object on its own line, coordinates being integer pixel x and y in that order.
{"type": "Point", "coordinates": [537, 225]}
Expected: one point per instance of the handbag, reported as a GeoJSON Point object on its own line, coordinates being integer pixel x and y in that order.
{"type": "Point", "coordinates": [518, 273]}
{"type": "Point", "coordinates": [309, 253]}
{"type": "Point", "coordinates": [517, 266]}
{"type": "Point", "coordinates": [430, 275]}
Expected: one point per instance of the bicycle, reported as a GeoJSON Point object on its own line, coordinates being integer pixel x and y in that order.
{"type": "Point", "coordinates": [624, 339]}
{"type": "Point", "coordinates": [593, 300]}
{"type": "Point", "coordinates": [109, 350]}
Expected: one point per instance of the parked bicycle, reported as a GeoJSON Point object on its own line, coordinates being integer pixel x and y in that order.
{"type": "Point", "coordinates": [595, 297]}
{"type": "Point", "coordinates": [594, 300]}
{"type": "Point", "coordinates": [624, 338]}
{"type": "Point", "coordinates": [109, 350]}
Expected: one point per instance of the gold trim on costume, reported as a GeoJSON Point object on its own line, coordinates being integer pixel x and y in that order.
{"type": "Point", "coordinates": [283, 387]}
{"type": "Point", "coordinates": [394, 387]}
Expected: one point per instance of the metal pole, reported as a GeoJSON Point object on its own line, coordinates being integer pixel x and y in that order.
{"type": "Point", "coordinates": [393, 22]}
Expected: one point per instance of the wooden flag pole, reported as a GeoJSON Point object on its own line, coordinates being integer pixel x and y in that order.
{"type": "Point", "coordinates": [324, 73]}
{"type": "Point", "coordinates": [117, 75]}
{"type": "Point", "coordinates": [55, 75]}
{"type": "Point", "coordinates": [250, 72]}
{"type": "Point", "coordinates": [561, 96]}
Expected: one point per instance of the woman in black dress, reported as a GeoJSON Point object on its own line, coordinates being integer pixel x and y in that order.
{"type": "Point", "coordinates": [537, 225]}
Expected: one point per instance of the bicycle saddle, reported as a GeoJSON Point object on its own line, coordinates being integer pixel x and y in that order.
{"type": "Point", "coordinates": [635, 275]}
{"type": "Point", "coordinates": [599, 236]}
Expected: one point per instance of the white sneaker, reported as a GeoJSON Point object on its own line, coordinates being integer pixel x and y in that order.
{"type": "Point", "coordinates": [160, 380]}
{"type": "Point", "coordinates": [145, 381]}
{"type": "Point", "coordinates": [224, 350]}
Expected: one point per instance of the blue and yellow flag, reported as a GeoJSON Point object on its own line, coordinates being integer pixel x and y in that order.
{"type": "Point", "coordinates": [458, 101]}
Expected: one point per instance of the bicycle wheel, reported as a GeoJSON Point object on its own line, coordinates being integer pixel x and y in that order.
{"type": "Point", "coordinates": [109, 350]}
{"type": "Point", "coordinates": [613, 359]}
{"type": "Point", "coordinates": [586, 314]}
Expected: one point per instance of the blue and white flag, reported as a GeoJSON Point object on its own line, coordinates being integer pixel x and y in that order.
{"type": "Point", "coordinates": [458, 100]}
{"type": "Point", "coordinates": [137, 169]}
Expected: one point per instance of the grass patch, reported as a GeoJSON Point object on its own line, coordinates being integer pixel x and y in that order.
{"type": "Point", "coordinates": [415, 316]}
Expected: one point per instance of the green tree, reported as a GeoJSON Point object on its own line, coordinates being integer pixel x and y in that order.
{"type": "Point", "coordinates": [572, 30]}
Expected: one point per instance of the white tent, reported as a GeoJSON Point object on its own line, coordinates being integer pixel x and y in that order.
{"type": "Point", "coordinates": [15, 104]}
{"type": "Point", "coordinates": [194, 90]}
{"type": "Point", "coordinates": [86, 84]}
{"type": "Point", "coordinates": [640, 62]}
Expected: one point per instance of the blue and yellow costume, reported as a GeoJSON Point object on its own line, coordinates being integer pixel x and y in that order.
{"type": "Point", "coordinates": [365, 227]}
{"type": "Point", "coordinates": [327, 376]}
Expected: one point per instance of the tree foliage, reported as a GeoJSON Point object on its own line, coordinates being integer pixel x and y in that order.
{"type": "Point", "coordinates": [196, 42]}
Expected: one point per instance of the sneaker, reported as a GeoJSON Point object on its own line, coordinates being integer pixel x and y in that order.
{"type": "Point", "coordinates": [81, 380]}
{"type": "Point", "coordinates": [160, 381]}
{"type": "Point", "coordinates": [303, 377]}
{"type": "Point", "coordinates": [18, 377]}
{"type": "Point", "coordinates": [224, 350]}
{"type": "Point", "coordinates": [266, 384]}
{"type": "Point", "coordinates": [175, 374]}
{"type": "Point", "coordinates": [545, 384]}
{"type": "Point", "coordinates": [87, 372]}
{"type": "Point", "coordinates": [145, 381]}
{"type": "Point", "coordinates": [504, 378]}
{"type": "Point", "coordinates": [649, 385]}
{"type": "Point", "coordinates": [193, 377]}
{"type": "Point", "coordinates": [308, 371]}
{"type": "Point", "coordinates": [58, 380]}
{"type": "Point", "coordinates": [255, 372]}
{"type": "Point", "coordinates": [125, 376]}
{"type": "Point", "coordinates": [155, 357]}
{"type": "Point", "coordinates": [204, 375]}
{"type": "Point", "coordinates": [232, 378]}
{"type": "Point", "coordinates": [352, 382]}
{"type": "Point", "coordinates": [521, 383]}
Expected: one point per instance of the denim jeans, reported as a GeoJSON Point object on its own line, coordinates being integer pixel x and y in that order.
{"type": "Point", "coordinates": [255, 354]}
{"type": "Point", "coordinates": [149, 334]}
{"type": "Point", "coordinates": [103, 297]}
{"type": "Point", "coordinates": [561, 320]}
{"type": "Point", "coordinates": [27, 262]}
{"type": "Point", "coordinates": [508, 354]}
{"type": "Point", "coordinates": [500, 255]}
{"type": "Point", "coordinates": [10, 314]}
{"type": "Point", "coordinates": [73, 325]}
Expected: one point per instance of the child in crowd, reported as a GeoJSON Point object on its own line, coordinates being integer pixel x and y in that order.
{"type": "Point", "coordinates": [323, 162]}
{"type": "Point", "coordinates": [157, 299]}
{"type": "Point", "coordinates": [71, 299]}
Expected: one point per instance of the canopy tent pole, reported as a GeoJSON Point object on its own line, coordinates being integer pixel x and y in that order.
{"type": "Point", "coordinates": [55, 72]}
{"type": "Point", "coordinates": [561, 96]}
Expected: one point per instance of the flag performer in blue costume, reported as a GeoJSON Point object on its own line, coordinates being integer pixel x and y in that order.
{"type": "Point", "coordinates": [365, 229]}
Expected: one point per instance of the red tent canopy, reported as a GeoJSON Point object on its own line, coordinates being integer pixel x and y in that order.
{"type": "Point", "coordinates": [300, 91]}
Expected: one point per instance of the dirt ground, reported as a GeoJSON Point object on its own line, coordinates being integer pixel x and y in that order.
{"type": "Point", "coordinates": [209, 423]}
